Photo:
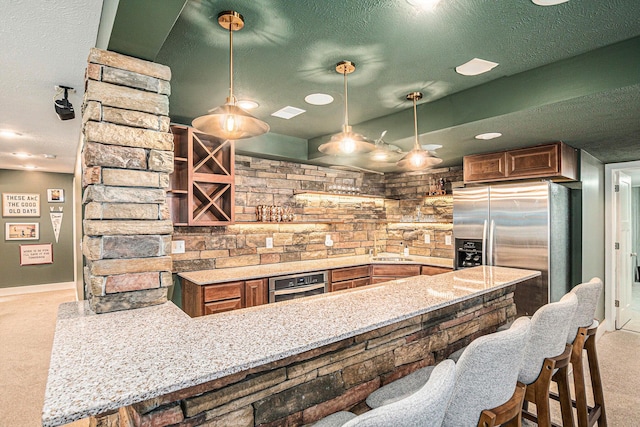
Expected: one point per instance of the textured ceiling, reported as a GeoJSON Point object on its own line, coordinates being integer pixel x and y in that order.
{"type": "Point", "coordinates": [563, 73]}
{"type": "Point", "coordinates": [568, 72]}
{"type": "Point", "coordinates": [43, 44]}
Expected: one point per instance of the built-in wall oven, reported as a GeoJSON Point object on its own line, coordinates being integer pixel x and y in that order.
{"type": "Point", "coordinates": [283, 288]}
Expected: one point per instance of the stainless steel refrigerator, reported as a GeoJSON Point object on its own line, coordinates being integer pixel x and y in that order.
{"type": "Point", "coordinates": [517, 225]}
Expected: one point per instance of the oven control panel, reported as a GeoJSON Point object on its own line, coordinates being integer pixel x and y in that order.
{"type": "Point", "coordinates": [287, 282]}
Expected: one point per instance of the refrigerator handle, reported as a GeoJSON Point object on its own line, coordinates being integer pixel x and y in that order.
{"type": "Point", "coordinates": [484, 243]}
{"type": "Point", "coordinates": [491, 237]}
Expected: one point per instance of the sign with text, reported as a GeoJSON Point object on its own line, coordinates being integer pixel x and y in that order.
{"type": "Point", "coordinates": [20, 204]}
{"type": "Point", "coordinates": [36, 254]}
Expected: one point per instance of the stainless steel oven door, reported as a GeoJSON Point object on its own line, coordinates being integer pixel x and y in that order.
{"type": "Point", "coordinates": [296, 292]}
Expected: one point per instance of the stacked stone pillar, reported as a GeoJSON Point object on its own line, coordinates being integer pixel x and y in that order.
{"type": "Point", "coordinates": [127, 157]}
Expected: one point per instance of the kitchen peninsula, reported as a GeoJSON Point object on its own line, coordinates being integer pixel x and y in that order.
{"type": "Point", "coordinates": [290, 362]}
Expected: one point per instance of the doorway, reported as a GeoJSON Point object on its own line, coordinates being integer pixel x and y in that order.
{"type": "Point", "coordinates": [622, 286]}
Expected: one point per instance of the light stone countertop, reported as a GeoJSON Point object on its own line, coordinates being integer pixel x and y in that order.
{"type": "Point", "coordinates": [220, 275]}
{"type": "Point", "coordinates": [107, 361]}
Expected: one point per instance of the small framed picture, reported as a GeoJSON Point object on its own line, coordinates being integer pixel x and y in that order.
{"type": "Point", "coordinates": [22, 231]}
{"type": "Point", "coordinates": [55, 195]}
{"type": "Point", "coordinates": [36, 254]}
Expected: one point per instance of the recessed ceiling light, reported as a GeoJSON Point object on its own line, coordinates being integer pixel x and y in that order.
{"type": "Point", "coordinates": [9, 133]}
{"type": "Point", "coordinates": [424, 4]}
{"type": "Point", "coordinates": [548, 2]}
{"type": "Point", "coordinates": [22, 155]}
{"type": "Point", "coordinates": [475, 66]}
{"type": "Point", "coordinates": [49, 156]}
{"type": "Point", "coordinates": [247, 104]}
{"type": "Point", "coordinates": [488, 135]}
{"type": "Point", "coordinates": [318, 99]}
{"type": "Point", "coordinates": [288, 112]}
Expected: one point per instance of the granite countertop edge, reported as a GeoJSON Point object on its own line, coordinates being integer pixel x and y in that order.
{"type": "Point", "coordinates": [76, 323]}
{"type": "Point", "coordinates": [228, 274]}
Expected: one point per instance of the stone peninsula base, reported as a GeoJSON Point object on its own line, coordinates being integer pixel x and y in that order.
{"type": "Point", "coordinates": [303, 388]}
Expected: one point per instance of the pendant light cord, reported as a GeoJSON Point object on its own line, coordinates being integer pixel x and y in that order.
{"type": "Point", "coordinates": [415, 123]}
{"type": "Point", "coordinates": [232, 98]}
{"type": "Point", "coordinates": [346, 102]}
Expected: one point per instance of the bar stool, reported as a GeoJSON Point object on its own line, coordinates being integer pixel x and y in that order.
{"type": "Point", "coordinates": [547, 356]}
{"type": "Point", "coordinates": [486, 376]}
{"type": "Point", "coordinates": [423, 408]}
{"type": "Point", "coordinates": [582, 337]}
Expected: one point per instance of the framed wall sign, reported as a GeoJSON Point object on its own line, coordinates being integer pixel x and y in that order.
{"type": "Point", "coordinates": [20, 204]}
{"type": "Point", "coordinates": [22, 231]}
{"type": "Point", "coordinates": [55, 195]}
{"type": "Point", "coordinates": [36, 254]}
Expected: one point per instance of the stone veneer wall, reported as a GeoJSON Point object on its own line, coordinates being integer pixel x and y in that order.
{"type": "Point", "coordinates": [353, 223]}
{"type": "Point", "coordinates": [304, 388]}
{"type": "Point", "coordinates": [127, 157]}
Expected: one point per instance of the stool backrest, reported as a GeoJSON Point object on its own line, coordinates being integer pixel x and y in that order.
{"type": "Point", "coordinates": [547, 336]}
{"type": "Point", "coordinates": [424, 408]}
{"type": "Point", "coordinates": [486, 374]}
{"type": "Point", "coordinates": [588, 296]}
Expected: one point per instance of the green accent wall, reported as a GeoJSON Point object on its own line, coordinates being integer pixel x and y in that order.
{"type": "Point", "coordinates": [62, 268]}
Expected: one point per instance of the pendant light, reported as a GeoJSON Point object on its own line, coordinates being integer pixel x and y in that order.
{"type": "Point", "coordinates": [417, 158]}
{"type": "Point", "coordinates": [385, 152]}
{"type": "Point", "coordinates": [347, 141]}
{"type": "Point", "coordinates": [229, 121]}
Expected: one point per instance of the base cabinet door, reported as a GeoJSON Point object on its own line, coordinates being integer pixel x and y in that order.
{"type": "Point", "coordinates": [255, 292]}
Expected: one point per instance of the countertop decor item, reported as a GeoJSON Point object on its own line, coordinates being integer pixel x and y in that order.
{"type": "Point", "coordinates": [229, 121]}
{"type": "Point", "coordinates": [347, 141]}
{"type": "Point", "coordinates": [417, 158]}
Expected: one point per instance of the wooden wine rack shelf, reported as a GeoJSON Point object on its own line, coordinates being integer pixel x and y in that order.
{"type": "Point", "coordinates": [202, 187]}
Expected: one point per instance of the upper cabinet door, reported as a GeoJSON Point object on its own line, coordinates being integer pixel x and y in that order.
{"type": "Point", "coordinates": [556, 161]}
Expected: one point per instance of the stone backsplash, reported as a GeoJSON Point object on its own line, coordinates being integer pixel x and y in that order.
{"type": "Point", "coordinates": [387, 218]}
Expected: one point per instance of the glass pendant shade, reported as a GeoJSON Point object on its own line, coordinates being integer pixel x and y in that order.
{"type": "Point", "coordinates": [346, 142]}
{"type": "Point", "coordinates": [230, 121]}
{"type": "Point", "coordinates": [417, 158]}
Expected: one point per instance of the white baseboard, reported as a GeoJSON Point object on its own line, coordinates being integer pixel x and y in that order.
{"type": "Point", "coordinates": [601, 330]}
{"type": "Point", "coordinates": [32, 289]}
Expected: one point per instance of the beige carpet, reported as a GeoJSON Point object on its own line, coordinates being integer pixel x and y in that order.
{"type": "Point", "coordinates": [27, 324]}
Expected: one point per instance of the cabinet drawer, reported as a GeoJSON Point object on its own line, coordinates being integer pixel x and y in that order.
{"type": "Point", "coordinates": [361, 282]}
{"type": "Point", "coordinates": [429, 270]}
{"type": "Point", "coordinates": [340, 286]}
{"type": "Point", "coordinates": [395, 270]}
{"type": "Point", "coordinates": [222, 306]}
{"type": "Point", "coordinates": [223, 291]}
{"type": "Point", "coordinates": [381, 279]}
{"type": "Point", "coordinates": [349, 273]}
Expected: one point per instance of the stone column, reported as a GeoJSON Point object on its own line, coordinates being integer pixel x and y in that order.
{"type": "Point", "coordinates": [127, 157]}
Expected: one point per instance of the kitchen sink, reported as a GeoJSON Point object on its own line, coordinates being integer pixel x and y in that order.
{"type": "Point", "coordinates": [390, 258]}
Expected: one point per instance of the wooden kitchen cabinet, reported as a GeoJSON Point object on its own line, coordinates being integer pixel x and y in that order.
{"type": "Point", "coordinates": [386, 272]}
{"type": "Point", "coordinates": [429, 270]}
{"type": "Point", "coordinates": [201, 188]}
{"type": "Point", "coordinates": [349, 277]}
{"type": "Point", "coordinates": [199, 300]}
{"type": "Point", "coordinates": [556, 161]}
{"type": "Point", "coordinates": [255, 292]}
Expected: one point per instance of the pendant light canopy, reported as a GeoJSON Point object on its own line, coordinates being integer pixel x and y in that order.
{"type": "Point", "coordinates": [347, 141]}
{"type": "Point", "coordinates": [417, 158]}
{"type": "Point", "coordinates": [229, 121]}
